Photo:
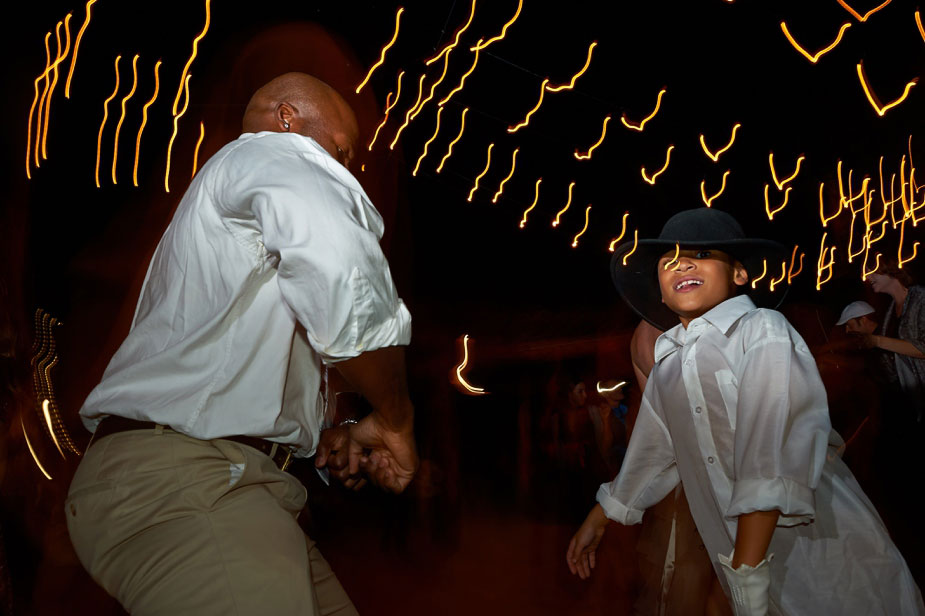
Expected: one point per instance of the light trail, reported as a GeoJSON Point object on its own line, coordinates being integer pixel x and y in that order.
{"type": "Point", "coordinates": [462, 366]}
{"type": "Point", "coordinates": [51, 429]}
{"type": "Point", "coordinates": [864, 271]}
{"type": "Point", "coordinates": [176, 120]}
{"type": "Point", "coordinates": [872, 97]}
{"type": "Point", "coordinates": [851, 253]}
{"type": "Point", "coordinates": [674, 258]}
{"type": "Point", "coordinates": [708, 201]}
{"type": "Point", "coordinates": [427, 143]}
{"type": "Point", "coordinates": [449, 150]}
{"type": "Point", "coordinates": [509, 175]}
{"type": "Point", "coordinates": [433, 88]}
{"type": "Point", "coordinates": [409, 112]}
{"type": "Point", "coordinates": [35, 101]}
{"type": "Point", "coordinates": [99, 138]}
{"type": "Point", "coordinates": [899, 252]}
{"type": "Point", "coordinates": [80, 34]}
{"type": "Point", "coordinates": [714, 156]}
{"type": "Point", "coordinates": [526, 120]}
{"type": "Point", "coordinates": [814, 57]}
{"type": "Point", "coordinates": [660, 171]}
{"type": "Point", "coordinates": [793, 257]}
{"type": "Point", "coordinates": [641, 125]}
{"type": "Point", "coordinates": [125, 99]}
{"type": "Point", "coordinates": [388, 108]}
{"type": "Point", "coordinates": [41, 112]}
{"type": "Point", "coordinates": [144, 121]}
{"type": "Point", "coordinates": [781, 183]}
{"type": "Point", "coordinates": [480, 45]}
{"type": "Point", "coordinates": [449, 46]}
{"type": "Point", "coordinates": [59, 57]}
{"type": "Point", "coordinates": [583, 229]}
{"type": "Point", "coordinates": [822, 266]}
{"type": "Point", "coordinates": [32, 451]}
{"type": "Point", "coordinates": [184, 81]}
{"type": "Point", "coordinates": [783, 274]}
{"type": "Point", "coordinates": [571, 83]}
{"type": "Point", "coordinates": [764, 272]}
{"type": "Point", "coordinates": [607, 390]}
{"type": "Point", "coordinates": [825, 220]}
{"type": "Point", "coordinates": [635, 245]}
{"type": "Point", "coordinates": [536, 199]}
{"type": "Point", "coordinates": [587, 155]}
{"type": "Point", "coordinates": [857, 15]}
{"type": "Point", "coordinates": [568, 204]}
{"type": "Point", "coordinates": [918, 23]}
{"type": "Point", "coordinates": [482, 174]}
{"type": "Point", "coordinates": [767, 205]}
{"type": "Point", "coordinates": [202, 136]}
{"type": "Point", "coordinates": [462, 80]}
{"type": "Point", "coordinates": [614, 241]}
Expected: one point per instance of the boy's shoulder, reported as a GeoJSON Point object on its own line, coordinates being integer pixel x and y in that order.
{"type": "Point", "coordinates": [763, 323]}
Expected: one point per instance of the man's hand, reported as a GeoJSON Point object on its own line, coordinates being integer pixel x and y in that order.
{"type": "Point", "coordinates": [334, 453]}
{"type": "Point", "coordinates": [582, 549]}
{"type": "Point", "coordinates": [387, 455]}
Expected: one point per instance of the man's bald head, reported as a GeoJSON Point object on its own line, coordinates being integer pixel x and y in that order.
{"type": "Point", "coordinates": [300, 103]}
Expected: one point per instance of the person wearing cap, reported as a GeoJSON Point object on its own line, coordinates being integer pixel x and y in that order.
{"type": "Point", "coordinates": [735, 410]}
{"type": "Point", "coordinates": [856, 320]}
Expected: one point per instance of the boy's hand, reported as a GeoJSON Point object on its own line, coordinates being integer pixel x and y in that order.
{"type": "Point", "coordinates": [580, 556]}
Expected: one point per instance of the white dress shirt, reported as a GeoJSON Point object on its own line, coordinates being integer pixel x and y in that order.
{"type": "Point", "coordinates": [270, 267]}
{"type": "Point", "coordinates": [735, 410]}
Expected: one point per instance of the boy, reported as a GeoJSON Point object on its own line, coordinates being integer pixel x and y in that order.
{"type": "Point", "coordinates": [735, 411]}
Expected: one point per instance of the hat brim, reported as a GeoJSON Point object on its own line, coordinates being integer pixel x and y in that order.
{"type": "Point", "coordinates": [637, 281]}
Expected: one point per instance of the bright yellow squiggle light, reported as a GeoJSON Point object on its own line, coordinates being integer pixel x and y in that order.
{"type": "Point", "coordinates": [568, 204]}
{"type": "Point", "coordinates": [822, 266]}
{"type": "Point", "coordinates": [899, 252]}
{"type": "Point", "coordinates": [587, 155]}
{"type": "Point", "coordinates": [80, 34]}
{"type": "Point", "coordinates": [428, 142]}
{"type": "Point", "coordinates": [571, 83]}
{"type": "Point", "coordinates": [642, 124]}
{"type": "Point", "coordinates": [409, 112]}
{"type": "Point", "coordinates": [526, 120]}
{"type": "Point", "coordinates": [764, 272]}
{"type": "Point", "coordinates": [635, 245]}
{"type": "Point", "coordinates": [449, 46]}
{"type": "Point", "coordinates": [674, 258]}
{"type": "Point", "coordinates": [614, 241]}
{"type": "Point", "coordinates": [125, 99]}
{"type": "Point", "coordinates": [99, 138]}
{"type": "Point", "coordinates": [51, 428]}
{"type": "Point", "coordinates": [607, 390]}
{"type": "Point", "coordinates": [41, 113]}
{"type": "Point", "coordinates": [509, 175]}
{"type": "Point", "coordinates": [714, 156]}
{"type": "Point", "coordinates": [462, 80]}
{"type": "Point", "coordinates": [202, 136]}
{"type": "Point", "coordinates": [482, 174]}
{"type": "Point", "coordinates": [793, 257]}
{"type": "Point", "coordinates": [918, 22]}
{"type": "Point", "coordinates": [462, 366]}
{"type": "Point", "coordinates": [783, 274]}
{"type": "Point", "coordinates": [767, 205]}
{"type": "Point", "coordinates": [176, 120]}
{"type": "Point", "coordinates": [583, 229]}
{"type": "Point", "coordinates": [814, 57]}
{"type": "Point", "coordinates": [59, 58]}
{"type": "Point", "coordinates": [857, 15]}
{"type": "Point", "coordinates": [32, 451]}
{"type": "Point", "coordinates": [144, 121]}
{"type": "Point", "coordinates": [536, 198]}
{"type": "Point", "coordinates": [708, 201]}
{"type": "Point", "coordinates": [35, 101]}
{"type": "Point", "coordinates": [822, 216]}
{"type": "Point", "coordinates": [388, 108]}
{"type": "Point", "coordinates": [185, 74]}
{"type": "Point", "coordinates": [872, 98]}
{"type": "Point", "coordinates": [660, 171]}
{"type": "Point", "coordinates": [851, 253]}
{"type": "Point", "coordinates": [480, 45]}
{"type": "Point", "coordinates": [449, 150]}
{"type": "Point", "coordinates": [433, 87]}
{"type": "Point", "coordinates": [864, 271]}
{"type": "Point", "coordinates": [781, 183]}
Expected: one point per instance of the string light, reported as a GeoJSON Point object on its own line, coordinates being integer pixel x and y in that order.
{"type": "Point", "coordinates": [583, 229]}
{"type": "Point", "coordinates": [614, 241]}
{"type": "Point", "coordinates": [857, 15]}
{"type": "Point", "coordinates": [388, 108]}
{"type": "Point", "coordinates": [814, 57]}
{"type": "Point", "coordinates": [99, 139]}
{"type": "Point", "coordinates": [526, 120]}
{"type": "Point", "coordinates": [125, 99]}
{"type": "Point", "coordinates": [781, 183]}
{"type": "Point", "coordinates": [714, 156]}
{"type": "Point", "coordinates": [509, 175]}
{"type": "Point", "coordinates": [428, 142]}
{"type": "Point", "coordinates": [635, 245]}
{"type": "Point", "coordinates": [480, 45]}
{"type": "Point", "coordinates": [449, 46]}
{"type": "Point", "coordinates": [183, 75]}
{"type": "Point", "coordinates": [80, 34]}
{"type": "Point", "coordinates": [571, 83]}
{"type": "Point", "coordinates": [144, 120]}
{"type": "Point", "coordinates": [449, 150]}
{"type": "Point", "coordinates": [641, 125]}
{"type": "Point", "coordinates": [651, 180]}
{"type": "Point", "coordinates": [872, 98]}
{"type": "Point", "coordinates": [176, 120]}
{"type": "Point", "coordinates": [462, 366]}
{"type": "Point", "coordinates": [202, 136]}
{"type": "Point", "coordinates": [767, 206]}
{"type": "Point", "coordinates": [536, 198]}
{"type": "Point", "coordinates": [708, 201]}
{"type": "Point", "coordinates": [384, 49]}
{"type": "Point", "coordinates": [568, 204]}
{"type": "Point", "coordinates": [482, 174]}
{"type": "Point", "coordinates": [587, 155]}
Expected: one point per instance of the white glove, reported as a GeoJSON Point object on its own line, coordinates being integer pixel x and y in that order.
{"type": "Point", "coordinates": [748, 586]}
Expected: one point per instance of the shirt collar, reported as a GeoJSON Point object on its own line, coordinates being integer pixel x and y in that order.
{"type": "Point", "coordinates": [721, 316]}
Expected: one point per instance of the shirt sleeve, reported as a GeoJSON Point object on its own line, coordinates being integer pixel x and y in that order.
{"type": "Point", "coordinates": [648, 473]}
{"type": "Point", "coordinates": [782, 423]}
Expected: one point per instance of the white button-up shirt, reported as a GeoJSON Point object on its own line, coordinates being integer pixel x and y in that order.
{"type": "Point", "coordinates": [270, 266]}
{"type": "Point", "coordinates": [735, 409]}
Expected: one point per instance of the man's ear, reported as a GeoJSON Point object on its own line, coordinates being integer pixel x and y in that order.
{"type": "Point", "coordinates": [283, 115]}
{"type": "Point", "coordinates": [739, 274]}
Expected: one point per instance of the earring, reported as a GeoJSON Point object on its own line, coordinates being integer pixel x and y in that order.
{"type": "Point", "coordinates": [286, 125]}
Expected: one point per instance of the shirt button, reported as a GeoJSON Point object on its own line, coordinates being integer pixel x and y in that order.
{"type": "Point", "coordinates": [710, 460]}
{"type": "Point", "coordinates": [697, 410]}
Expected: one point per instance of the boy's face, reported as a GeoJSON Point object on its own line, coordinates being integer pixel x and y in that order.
{"type": "Point", "coordinates": [697, 280]}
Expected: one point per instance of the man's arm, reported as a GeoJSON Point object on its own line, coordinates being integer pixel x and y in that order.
{"type": "Point", "coordinates": [753, 537]}
{"type": "Point", "coordinates": [895, 345]}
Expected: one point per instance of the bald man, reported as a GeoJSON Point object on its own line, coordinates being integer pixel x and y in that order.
{"type": "Point", "coordinates": [269, 273]}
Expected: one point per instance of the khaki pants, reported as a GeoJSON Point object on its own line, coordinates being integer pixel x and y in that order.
{"type": "Point", "coordinates": [172, 525]}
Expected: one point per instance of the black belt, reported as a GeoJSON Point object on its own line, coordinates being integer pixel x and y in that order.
{"type": "Point", "coordinates": [113, 424]}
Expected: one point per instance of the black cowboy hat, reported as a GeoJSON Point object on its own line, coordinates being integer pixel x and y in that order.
{"type": "Point", "coordinates": [702, 227]}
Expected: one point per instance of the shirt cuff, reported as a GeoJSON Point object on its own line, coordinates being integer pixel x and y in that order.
{"type": "Point", "coordinates": [615, 510]}
{"type": "Point", "coordinates": [794, 500]}
{"type": "Point", "coordinates": [393, 331]}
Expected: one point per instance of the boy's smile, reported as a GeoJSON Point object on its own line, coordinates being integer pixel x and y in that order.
{"type": "Point", "coordinates": [695, 281]}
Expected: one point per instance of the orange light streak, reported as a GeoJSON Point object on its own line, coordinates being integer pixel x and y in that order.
{"type": "Point", "coordinates": [526, 120]}
{"type": "Point", "coordinates": [781, 183]}
{"type": "Point", "coordinates": [480, 45]}
{"type": "Point", "coordinates": [185, 74]}
{"type": "Point", "coordinates": [409, 112]}
{"type": "Point", "coordinates": [433, 87]}
{"type": "Point", "coordinates": [715, 156]}
{"type": "Point", "coordinates": [918, 22]}
{"type": "Point", "coordinates": [59, 57]}
{"type": "Point", "coordinates": [202, 136]}
{"type": "Point", "coordinates": [509, 175]}
{"type": "Point", "coordinates": [428, 142]}
{"type": "Point", "coordinates": [851, 253]}
{"type": "Point", "coordinates": [708, 201]}
{"type": "Point", "coordinates": [536, 198]}
{"type": "Point", "coordinates": [482, 174]}
{"type": "Point", "coordinates": [767, 206]}
{"type": "Point", "coordinates": [783, 274]}
{"type": "Point", "coordinates": [571, 83]}
{"type": "Point", "coordinates": [857, 15]}
{"type": "Point", "coordinates": [814, 57]}
{"type": "Point", "coordinates": [764, 272]}
{"type": "Point", "coordinates": [449, 150]}
{"type": "Point", "coordinates": [899, 252]}
{"type": "Point", "coordinates": [462, 80]}
{"type": "Point", "coordinates": [99, 138]}
{"type": "Point", "coordinates": [115, 143]}
{"type": "Point", "coordinates": [51, 428]}
{"type": "Point", "coordinates": [449, 46]}
{"type": "Point", "coordinates": [614, 241]}
{"type": "Point", "coordinates": [793, 257]}
{"type": "Point", "coordinates": [388, 108]}
{"type": "Point", "coordinates": [587, 155]}
{"type": "Point", "coordinates": [144, 121]}
{"type": "Point", "coordinates": [635, 245]}
{"type": "Point", "coordinates": [568, 204]}
{"type": "Point", "coordinates": [38, 125]}
{"type": "Point", "coordinates": [642, 124]}
{"type": "Point", "coordinates": [80, 34]}
{"type": "Point", "coordinates": [674, 258]}
{"type": "Point", "coordinates": [462, 366]}
{"type": "Point", "coordinates": [872, 97]}
{"type": "Point", "coordinates": [583, 229]}
{"type": "Point", "coordinates": [35, 100]}
{"type": "Point", "coordinates": [822, 216]}
{"type": "Point", "coordinates": [864, 271]}
{"type": "Point", "coordinates": [176, 120]}
{"type": "Point", "coordinates": [660, 171]}
{"type": "Point", "coordinates": [822, 266]}
{"type": "Point", "coordinates": [32, 451]}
